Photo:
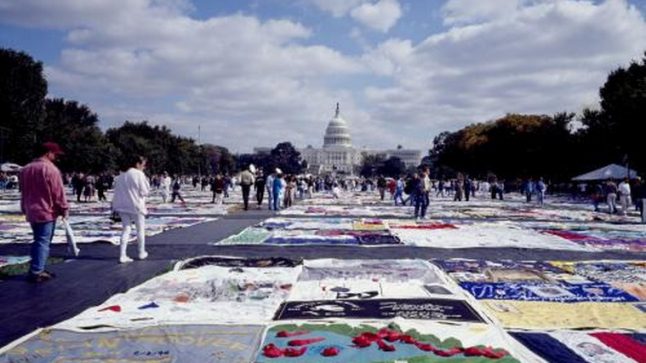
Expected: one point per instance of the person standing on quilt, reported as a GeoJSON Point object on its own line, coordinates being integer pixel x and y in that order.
{"type": "Point", "coordinates": [458, 185]}
{"type": "Point", "coordinates": [101, 187]}
{"type": "Point", "coordinates": [246, 181]}
{"type": "Point", "coordinates": [277, 190]}
{"type": "Point", "coordinates": [540, 191]}
{"type": "Point", "coordinates": [468, 186]}
{"type": "Point", "coordinates": [270, 190]}
{"type": "Point", "coordinates": [399, 190]}
{"type": "Point", "coordinates": [42, 200]}
{"type": "Point", "coordinates": [426, 180]}
{"type": "Point", "coordinates": [640, 198]}
{"type": "Point", "coordinates": [217, 187]}
{"type": "Point", "coordinates": [310, 187]}
{"type": "Point", "coordinates": [290, 184]}
{"type": "Point", "coordinates": [624, 196]}
{"type": "Point", "coordinates": [611, 196]}
{"type": "Point", "coordinates": [164, 185]}
{"type": "Point", "coordinates": [418, 197]}
{"type": "Point", "coordinates": [381, 186]}
{"type": "Point", "coordinates": [129, 201]}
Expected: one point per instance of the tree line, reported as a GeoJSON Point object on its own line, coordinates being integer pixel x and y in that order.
{"type": "Point", "coordinates": [29, 118]}
{"type": "Point", "coordinates": [558, 146]}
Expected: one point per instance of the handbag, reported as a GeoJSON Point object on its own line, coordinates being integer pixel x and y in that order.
{"type": "Point", "coordinates": [71, 240]}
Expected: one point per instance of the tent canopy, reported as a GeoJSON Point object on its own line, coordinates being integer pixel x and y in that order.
{"type": "Point", "coordinates": [611, 171]}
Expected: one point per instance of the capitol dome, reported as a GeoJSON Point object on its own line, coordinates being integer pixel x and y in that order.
{"type": "Point", "coordinates": [337, 133]}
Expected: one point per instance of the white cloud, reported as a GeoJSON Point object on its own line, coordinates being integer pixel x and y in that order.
{"type": "Point", "coordinates": [469, 11]}
{"type": "Point", "coordinates": [381, 15]}
{"type": "Point", "coordinates": [337, 8]}
{"type": "Point", "coordinates": [544, 57]}
{"type": "Point", "coordinates": [247, 82]}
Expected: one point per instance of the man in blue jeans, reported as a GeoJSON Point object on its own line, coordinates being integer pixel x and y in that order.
{"type": "Point", "coordinates": [42, 200]}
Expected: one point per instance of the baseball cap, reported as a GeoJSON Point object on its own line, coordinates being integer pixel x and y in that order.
{"type": "Point", "coordinates": [53, 148]}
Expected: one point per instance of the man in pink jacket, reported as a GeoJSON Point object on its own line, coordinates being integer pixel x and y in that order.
{"type": "Point", "coordinates": [42, 200]}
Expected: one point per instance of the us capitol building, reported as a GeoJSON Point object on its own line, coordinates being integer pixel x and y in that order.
{"type": "Point", "coordinates": [338, 155]}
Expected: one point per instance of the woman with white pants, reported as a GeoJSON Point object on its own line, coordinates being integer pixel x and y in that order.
{"type": "Point", "coordinates": [130, 192]}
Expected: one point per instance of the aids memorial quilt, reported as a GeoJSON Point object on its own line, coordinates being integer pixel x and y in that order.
{"type": "Point", "coordinates": [391, 341]}
{"type": "Point", "coordinates": [165, 343]}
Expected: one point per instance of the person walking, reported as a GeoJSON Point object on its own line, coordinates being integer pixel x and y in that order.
{"type": "Point", "coordinates": [381, 186]}
{"type": "Point", "coordinates": [624, 196]}
{"type": "Point", "coordinates": [177, 185]}
{"type": "Point", "coordinates": [399, 190]}
{"type": "Point", "coordinates": [277, 190]}
{"type": "Point", "coordinates": [42, 200]}
{"type": "Point", "coordinates": [102, 186]}
{"type": "Point", "coordinates": [458, 184]}
{"type": "Point", "coordinates": [288, 200]}
{"type": "Point", "coordinates": [640, 198]}
{"type": "Point", "coordinates": [468, 187]}
{"type": "Point", "coordinates": [78, 182]}
{"type": "Point", "coordinates": [540, 191]}
{"type": "Point", "coordinates": [129, 202]}
{"type": "Point", "coordinates": [246, 181]}
{"type": "Point", "coordinates": [611, 196]}
{"type": "Point", "coordinates": [310, 187]}
{"type": "Point", "coordinates": [440, 188]}
{"type": "Point", "coordinates": [217, 187]}
{"type": "Point", "coordinates": [259, 186]}
{"type": "Point", "coordinates": [270, 191]}
{"type": "Point", "coordinates": [419, 197]}
{"type": "Point", "coordinates": [88, 189]}
{"type": "Point", "coordinates": [164, 185]}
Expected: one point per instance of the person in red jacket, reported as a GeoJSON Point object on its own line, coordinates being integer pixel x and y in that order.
{"type": "Point", "coordinates": [42, 201]}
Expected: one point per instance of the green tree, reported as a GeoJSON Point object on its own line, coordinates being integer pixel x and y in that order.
{"type": "Point", "coordinates": [286, 157]}
{"type": "Point", "coordinates": [371, 164]}
{"type": "Point", "coordinates": [22, 98]}
{"type": "Point", "coordinates": [512, 146]}
{"type": "Point", "coordinates": [75, 128]}
{"type": "Point", "coordinates": [392, 167]}
{"type": "Point", "coordinates": [623, 111]}
{"type": "Point", "coordinates": [165, 151]}
{"type": "Point", "coordinates": [218, 159]}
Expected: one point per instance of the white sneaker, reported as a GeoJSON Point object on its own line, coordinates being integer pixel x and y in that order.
{"type": "Point", "coordinates": [125, 259]}
{"type": "Point", "coordinates": [143, 255]}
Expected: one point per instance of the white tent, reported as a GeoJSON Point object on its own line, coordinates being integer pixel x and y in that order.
{"type": "Point", "coordinates": [611, 171]}
{"type": "Point", "coordinates": [10, 167]}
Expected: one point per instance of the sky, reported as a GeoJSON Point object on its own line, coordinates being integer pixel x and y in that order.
{"type": "Point", "coordinates": [243, 74]}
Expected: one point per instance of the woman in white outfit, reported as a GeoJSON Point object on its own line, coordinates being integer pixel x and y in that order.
{"type": "Point", "coordinates": [164, 185]}
{"type": "Point", "coordinates": [130, 192]}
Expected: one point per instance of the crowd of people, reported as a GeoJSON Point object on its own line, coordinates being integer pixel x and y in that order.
{"type": "Point", "coordinates": [44, 200]}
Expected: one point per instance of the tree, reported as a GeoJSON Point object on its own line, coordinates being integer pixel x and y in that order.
{"type": "Point", "coordinates": [370, 165]}
{"type": "Point", "coordinates": [392, 167]}
{"type": "Point", "coordinates": [22, 95]}
{"type": "Point", "coordinates": [512, 146]}
{"type": "Point", "coordinates": [285, 157]}
{"type": "Point", "coordinates": [165, 151]}
{"type": "Point", "coordinates": [623, 111]}
{"type": "Point", "coordinates": [219, 160]}
{"type": "Point", "coordinates": [75, 128]}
